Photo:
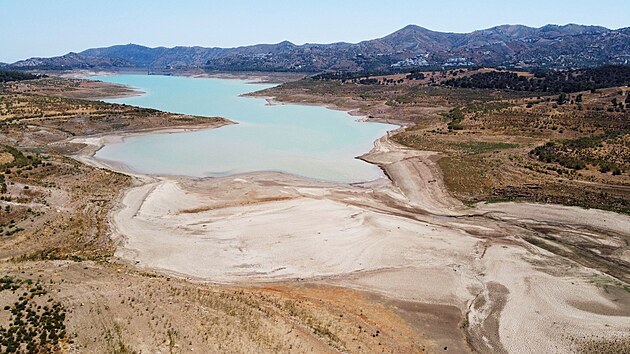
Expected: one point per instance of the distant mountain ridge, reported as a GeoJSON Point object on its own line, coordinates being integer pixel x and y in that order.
{"type": "Point", "coordinates": [553, 46]}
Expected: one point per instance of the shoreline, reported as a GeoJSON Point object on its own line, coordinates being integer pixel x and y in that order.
{"type": "Point", "coordinates": [160, 225]}
{"type": "Point", "coordinates": [254, 77]}
{"type": "Point", "coordinates": [88, 75]}
{"type": "Point", "coordinates": [134, 92]}
{"type": "Point", "coordinates": [94, 143]}
{"type": "Point", "coordinates": [403, 237]}
{"type": "Point", "coordinates": [273, 101]}
{"type": "Point", "coordinates": [108, 138]}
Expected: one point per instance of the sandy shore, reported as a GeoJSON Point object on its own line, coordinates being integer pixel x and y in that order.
{"type": "Point", "coordinates": [404, 238]}
{"type": "Point", "coordinates": [255, 77]}
{"type": "Point", "coordinates": [92, 144]}
{"type": "Point", "coordinates": [360, 116]}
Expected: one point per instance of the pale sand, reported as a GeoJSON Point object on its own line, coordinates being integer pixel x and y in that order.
{"type": "Point", "coordinates": [407, 240]}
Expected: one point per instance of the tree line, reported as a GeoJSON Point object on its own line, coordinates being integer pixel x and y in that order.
{"type": "Point", "coordinates": [549, 81]}
{"type": "Point", "coordinates": [6, 76]}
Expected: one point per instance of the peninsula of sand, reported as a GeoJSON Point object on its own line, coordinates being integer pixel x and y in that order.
{"type": "Point", "coordinates": [403, 237]}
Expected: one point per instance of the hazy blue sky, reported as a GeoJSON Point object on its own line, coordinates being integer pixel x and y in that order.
{"type": "Point", "coordinates": [54, 27]}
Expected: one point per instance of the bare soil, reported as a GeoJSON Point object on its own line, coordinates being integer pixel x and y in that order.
{"type": "Point", "coordinates": [267, 262]}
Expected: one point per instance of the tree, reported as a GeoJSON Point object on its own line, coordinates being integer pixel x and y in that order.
{"type": "Point", "coordinates": [562, 99]}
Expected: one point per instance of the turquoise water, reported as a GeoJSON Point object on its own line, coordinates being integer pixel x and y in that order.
{"type": "Point", "coordinates": [308, 141]}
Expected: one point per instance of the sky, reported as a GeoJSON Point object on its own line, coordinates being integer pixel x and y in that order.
{"type": "Point", "coordinates": [44, 28]}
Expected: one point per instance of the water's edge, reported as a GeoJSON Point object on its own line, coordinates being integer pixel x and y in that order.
{"type": "Point", "coordinates": [273, 123]}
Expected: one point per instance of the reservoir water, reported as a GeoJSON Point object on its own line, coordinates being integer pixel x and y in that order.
{"type": "Point", "coordinates": [308, 141]}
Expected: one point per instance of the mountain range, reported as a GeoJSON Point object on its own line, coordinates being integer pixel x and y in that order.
{"type": "Point", "coordinates": [550, 46]}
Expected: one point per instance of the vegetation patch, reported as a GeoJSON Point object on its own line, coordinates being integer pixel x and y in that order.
{"type": "Point", "coordinates": [608, 152]}
{"type": "Point", "coordinates": [455, 117]}
{"type": "Point", "coordinates": [19, 159]}
{"type": "Point", "coordinates": [551, 81]}
{"type": "Point", "coordinates": [35, 322]}
{"type": "Point", "coordinates": [7, 75]}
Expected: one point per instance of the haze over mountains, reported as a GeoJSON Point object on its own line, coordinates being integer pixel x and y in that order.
{"type": "Point", "coordinates": [552, 46]}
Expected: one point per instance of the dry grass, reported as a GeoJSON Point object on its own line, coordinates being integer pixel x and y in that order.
{"type": "Point", "coordinates": [6, 158]}
{"type": "Point", "coordinates": [59, 208]}
{"type": "Point", "coordinates": [107, 307]}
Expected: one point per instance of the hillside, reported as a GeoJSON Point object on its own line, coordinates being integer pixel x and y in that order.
{"type": "Point", "coordinates": [72, 61]}
{"type": "Point", "coordinates": [552, 46]}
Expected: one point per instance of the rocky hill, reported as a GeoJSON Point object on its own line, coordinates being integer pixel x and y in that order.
{"type": "Point", "coordinates": [72, 61]}
{"type": "Point", "coordinates": [568, 46]}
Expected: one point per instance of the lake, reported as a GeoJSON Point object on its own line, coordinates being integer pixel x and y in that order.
{"type": "Point", "coordinates": [308, 141]}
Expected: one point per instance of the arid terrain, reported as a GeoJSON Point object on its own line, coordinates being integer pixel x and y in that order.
{"type": "Point", "coordinates": [98, 259]}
